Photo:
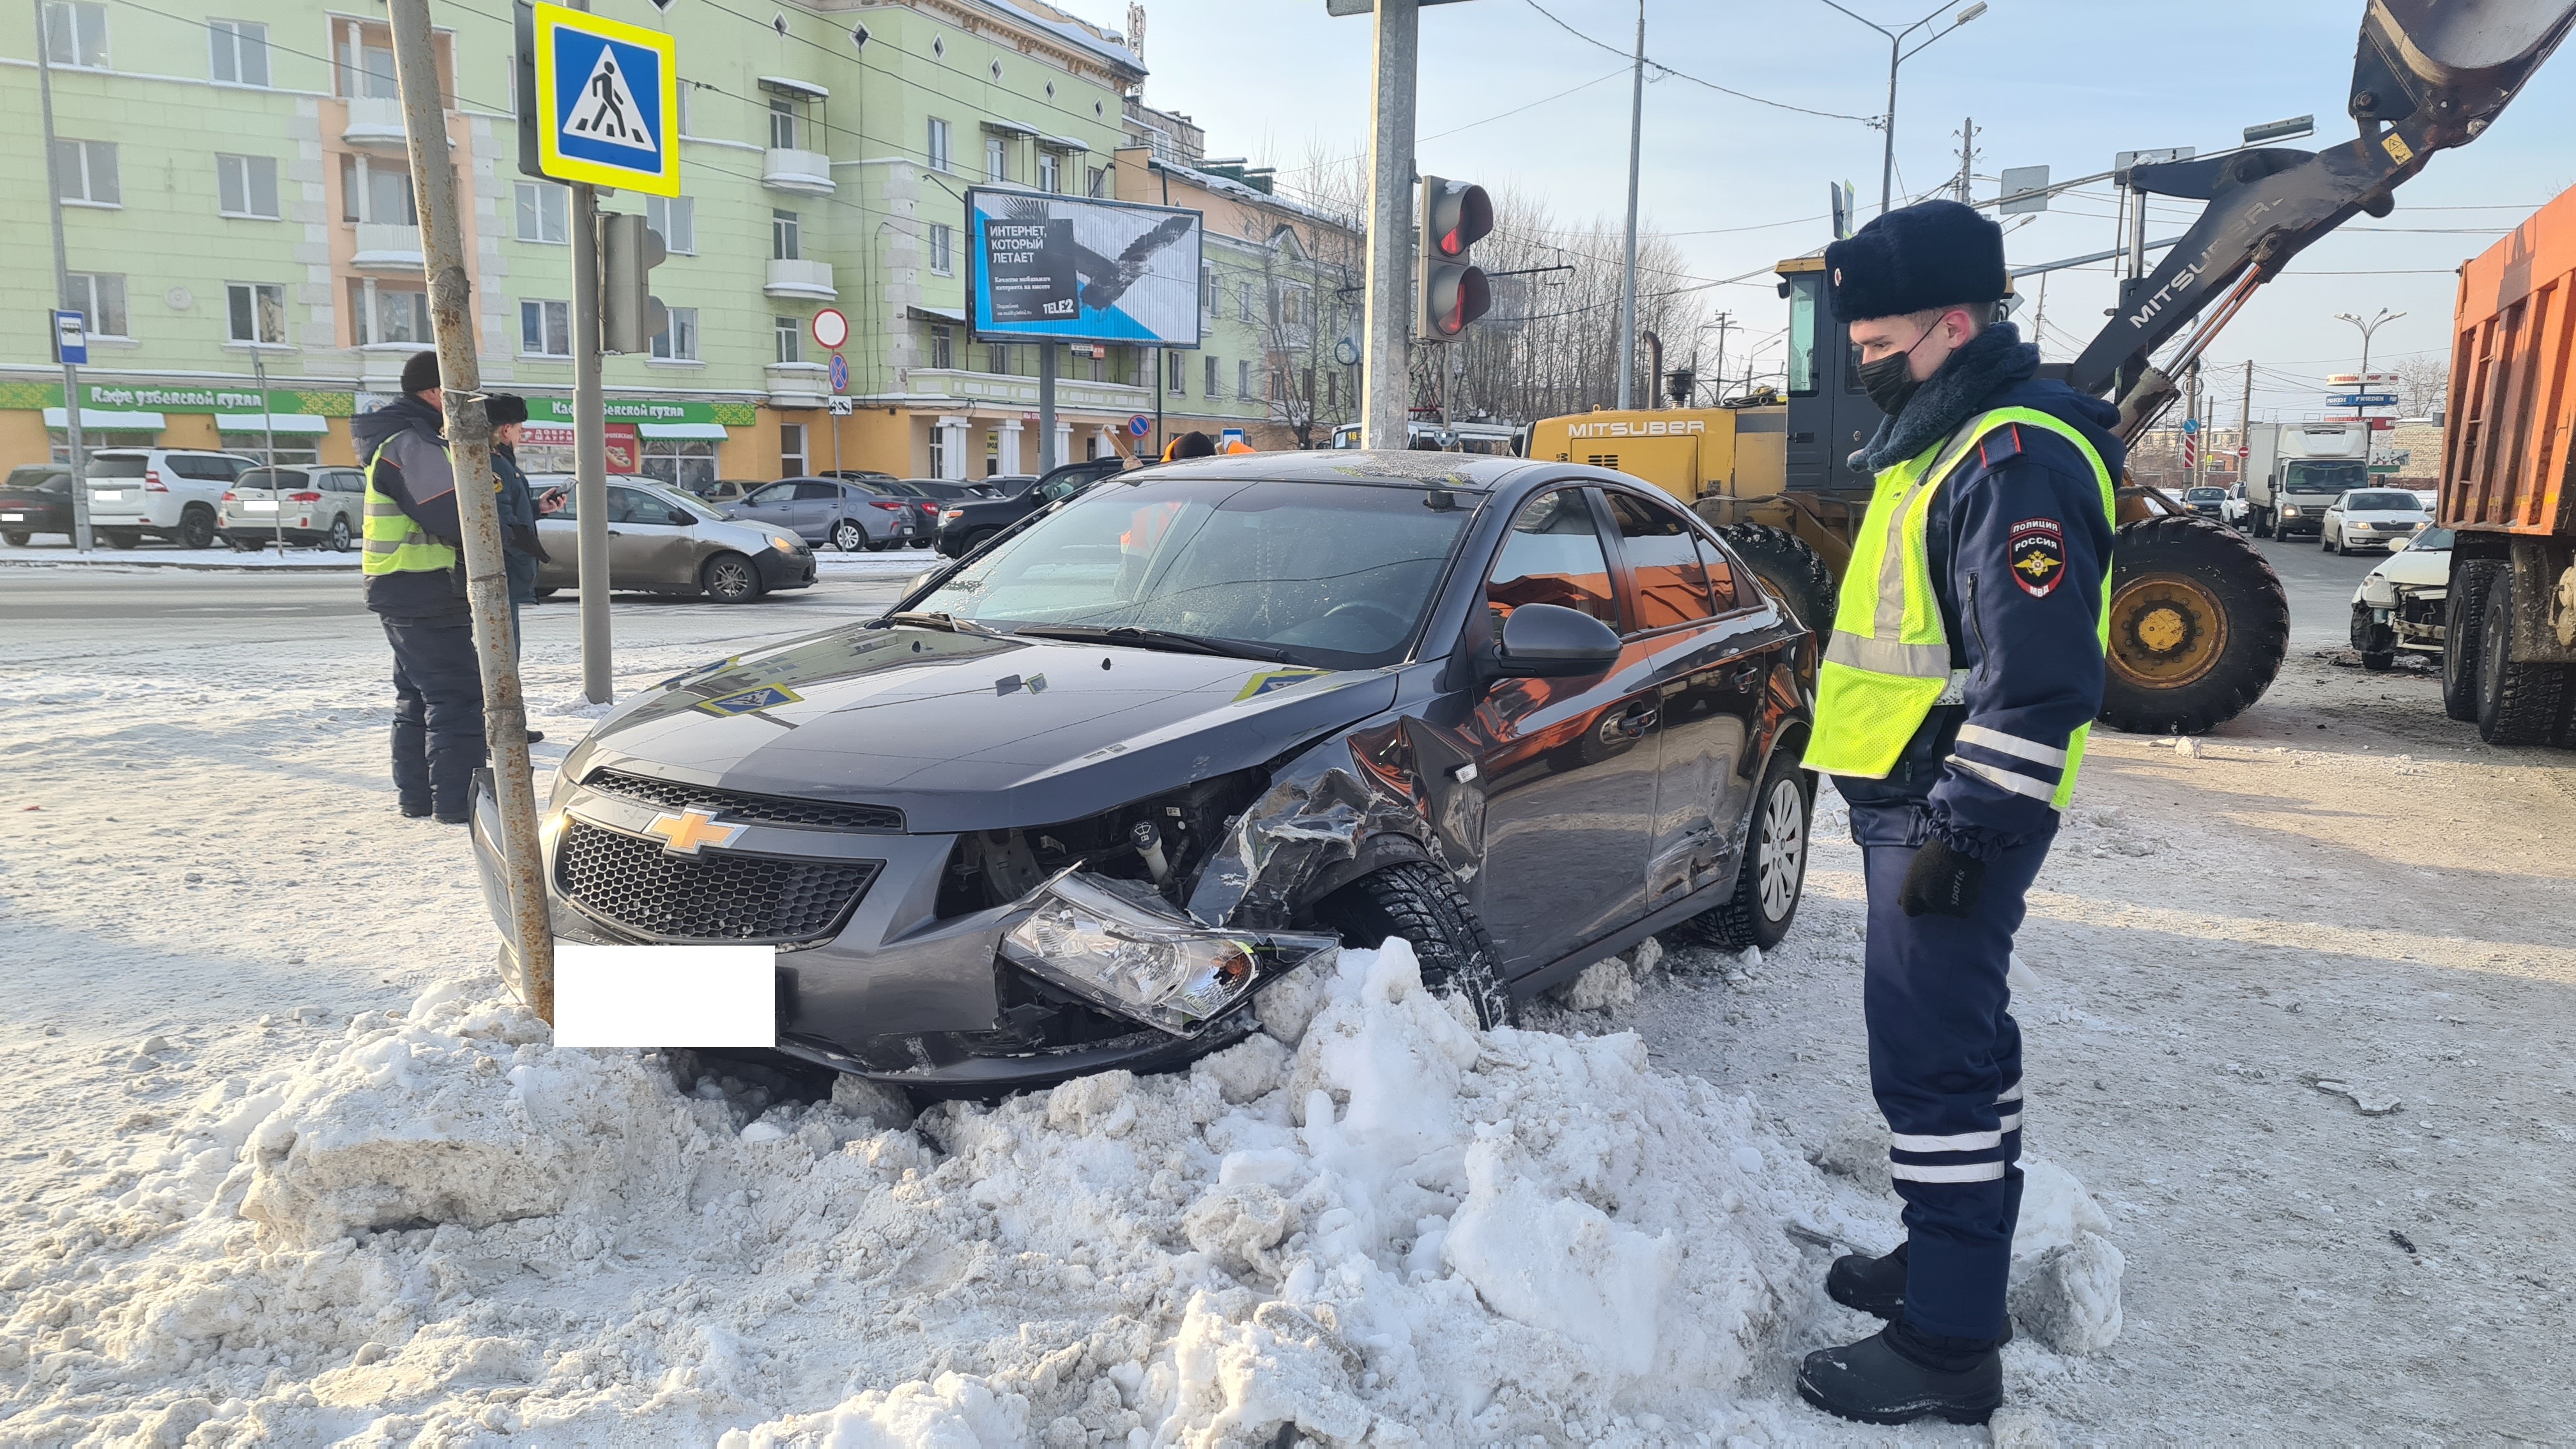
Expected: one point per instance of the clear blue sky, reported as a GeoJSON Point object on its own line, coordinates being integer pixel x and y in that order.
{"type": "Point", "coordinates": [2062, 83]}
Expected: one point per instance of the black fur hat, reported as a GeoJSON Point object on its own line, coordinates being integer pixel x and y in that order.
{"type": "Point", "coordinates": [505, 408]}
{"type": "Point", "coordinates": [1930, 254]}
{"type": "Point", "coordinates": [420, 374]}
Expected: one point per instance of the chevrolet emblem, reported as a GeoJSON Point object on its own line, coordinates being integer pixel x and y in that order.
{"type": "Point", "coordinates": [683, 833]}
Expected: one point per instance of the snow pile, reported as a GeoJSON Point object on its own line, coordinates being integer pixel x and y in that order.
{"type": "Point", "coordinates": [1372, 1223]}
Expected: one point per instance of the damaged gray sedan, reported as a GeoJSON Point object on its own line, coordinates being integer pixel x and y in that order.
{"type": "Point", "coordinates": [1083, 794]}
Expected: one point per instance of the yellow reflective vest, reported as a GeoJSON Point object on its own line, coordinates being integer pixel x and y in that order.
{"type": "Point", "coordinates": [394, 543]}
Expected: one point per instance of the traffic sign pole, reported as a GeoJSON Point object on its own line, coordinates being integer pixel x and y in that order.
{"type": "Point", "coordinates": [590, 453]}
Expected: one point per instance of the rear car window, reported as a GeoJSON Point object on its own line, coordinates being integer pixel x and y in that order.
{"type": "Point", "coordinates": [38, 478]}
{"type": "Point", "coordinates": [130, 465]}
{"type": "Point", "coordinates": [806, 492]}
{"type": "Point", "coordinates": [1553, 555]}
{"type": "Point", "coordinates": [205, 466]}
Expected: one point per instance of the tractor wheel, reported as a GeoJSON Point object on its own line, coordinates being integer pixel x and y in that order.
{"type": "Point", "coordinates": [2199, 626]}
{"type": "Point", "coordinates": [1793, 570]}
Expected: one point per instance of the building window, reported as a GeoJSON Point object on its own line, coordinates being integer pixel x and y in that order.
{"type": "Point", "coordinates": [786, 236]}
{"type": "Point", "coordinates": [1332, 391]}
{"type": "Point", "coordinates": [684, 86]}
{"type": "Point", "coordinates": [938, 148]}
{"type": "Point", "coordinates": [387, 315]}
{"type": "Point", "coordinates": [376, 191]}
{"type": "Point", "coordinates": [791, 450]}
{"type": "Point", "coordinates": [675, 220]}
{"type": "Point", "coordinates": [997, 159]}
{"type": "Point", "coordinates": [88, 172]}
{"type": "Point", "coordinates": [100, 299]}
{"type": "Point", "coordinates": [1179, 373]}
{"type": "Point", "coordinates": [293, 449]}
{"type": "Point", "coordinates": [241, 52]}
{"type": "Point", "coordinates": [782, 124]}
{"type": "Point", "coordinates": [1207, 288]}
{"type": "Point", "coordinates": [1050, 171]}
{"type": "Point", "coordinates": [1209, 391]}
{"type": "Point", "coordinates": [1243, 377]}
{"type": "Point", "coordinates": [678, 339]}
{"type": "Point", "coordinates": [942, 256]}
{"type": "Point", "coordinates": [246, 186]}
{"type": "Point", "coordinates": [545, 212]}
{"type": "Point", "coordinates": [76, 33]}
{"type": "Point", "coordinates": [938, 451]}
{"type": "Point", "coordinates": [545, 329]}
{"type": "Point", "coordinates": [1099, 182]}
{"type": "Point", "coordinates": [1292, 306]}
{"type": "Point", "coordinates": [257, 311]}
{"type": "Point", "coordinates": [682, 463]}
{"type": "Point", "coordinates": [366, 66]}
{"type": "Point", "coordinates": [791, 338]}
{"type": "Point", "coordinates": [943, 346]}
{"type": "Point", "coordinates": [1243, 301]}
{"type": "Point", "coordinates": [997, 357]}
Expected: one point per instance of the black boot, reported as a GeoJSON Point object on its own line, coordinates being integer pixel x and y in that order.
{"type": "Point", "coordinates": [1874, 1286]}
{"type": "Point", "coordinates": [1877, 1381]}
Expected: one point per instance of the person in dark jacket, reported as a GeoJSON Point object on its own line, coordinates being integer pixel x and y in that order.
{"type": "Point", "coordinates": [1953, 704]}
{"type": "Point", "coordinates": [415, 583]}
{"type": "Point", "coordinates": [522, 551]}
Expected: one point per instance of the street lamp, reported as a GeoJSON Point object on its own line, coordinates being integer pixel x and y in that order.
{"type": "Point", "coordinates": [1897, 55]}
{"type": "Point", "coordinates": [2374, 324]}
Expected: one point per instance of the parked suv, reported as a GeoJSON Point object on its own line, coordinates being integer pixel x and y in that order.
{"type": "Point", "coordinates": [850, 516]}
{"type": "Point", "coordinates": [322, 506]}
{"type": "Point", "coordinates": [172, 493]}
{"type": "Point", "coordinates": [37, 498]}
{"type": "Point", "coordinates": [1078, 801]}
{"type": "Point", "coordinates": [967, 523]}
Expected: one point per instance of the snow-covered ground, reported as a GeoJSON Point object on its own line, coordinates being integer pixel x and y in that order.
{"type": "Point", "coordinates": [283, 1164]}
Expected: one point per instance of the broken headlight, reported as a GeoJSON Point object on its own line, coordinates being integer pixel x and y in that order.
{"type": "Point", "coordinates": [1116, 944]}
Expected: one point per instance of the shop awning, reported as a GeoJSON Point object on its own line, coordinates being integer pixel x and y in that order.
{"type": "Point", "coordinates": [108, 419]}
{"type": "Point", "coordinates": [788, 85]}
{"type": "Point", "coordinates": [703, 432]}
{"type": "Point", "coordinates": [305, 423]}
{"type": "Point", "coordinates": [936, 314]}
{"type": "Point", "coordinates": [1064, 143]}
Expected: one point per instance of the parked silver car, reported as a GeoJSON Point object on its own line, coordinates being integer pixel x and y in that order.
{"type": "Point", "coordinates": [663, 541]}
{"type": "Point", "coordinates": [848, 514]}
{"type": "Point", "coordinates": [325, 507]}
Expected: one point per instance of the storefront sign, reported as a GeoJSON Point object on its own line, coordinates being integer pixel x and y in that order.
{"type": "Point", "coordinates": [179, 398]}
{"type": "Point", "coordinates": [624, 451]}
{"type": "Point", "coordinates": [644, 410]}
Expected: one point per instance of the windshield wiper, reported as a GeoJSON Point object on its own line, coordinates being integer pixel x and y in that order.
{"type": "Point", "coordinates": [931, 620]}
{"type": "Point", "coordinates": [1173, 640]}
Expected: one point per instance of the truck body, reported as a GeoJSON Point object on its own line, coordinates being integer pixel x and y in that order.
{"type": "Point", "coordinates": [2294, 471]}
{"type": "Point", "coordinates": [2509, 656]}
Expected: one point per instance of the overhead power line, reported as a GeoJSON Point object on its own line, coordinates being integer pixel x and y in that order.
{"type": "Point", "coordinates": [1664, 69]}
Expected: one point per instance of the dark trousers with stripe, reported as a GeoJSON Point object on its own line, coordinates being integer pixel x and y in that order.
{"type": "Point", "coordinates": [438, 714]}
{"type": "Point", "coordinates": [1945, 1065]}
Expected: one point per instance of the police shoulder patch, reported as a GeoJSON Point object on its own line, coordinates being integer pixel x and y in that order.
{"type": "Point", "coordinates": [2001, 443]}
{"type": "Point", "coordinates": [2038, 555]}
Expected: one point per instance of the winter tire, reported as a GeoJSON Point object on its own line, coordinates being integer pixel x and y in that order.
{"type": "Point", "coordinates": [848, 537]}
{"type": "Point", "coordinates": [2463, 616]}
{"type": "Point", "coordinates": [2376, 642]}
{"type": "Point", "coordinates": [1793, 570]}
{"type": "Point", "coordinates": [2262, 523]}
{"type": "Point", "coordinates": [17, 537]}
{"type": "Point", "coordinates": [2519, 703]}
{"type": "Point", "coordinates": [340, 535]}
{"type": "Point", "coordinates": [1418, 901]}
{"type": "Point", "coordinates": [1773, 876]}
{"type": "Point", "coordinates": [2199, 626]}
{"type": "Point", "coordinates": [730, 578]}
{"type": "Point", "coordinates": [197, 527]}
{"type": "Point", "coordinates": [122, 537]}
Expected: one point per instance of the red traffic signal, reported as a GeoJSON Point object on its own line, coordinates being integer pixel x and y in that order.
{"type": "Point", "coordinates": [1454, 216]}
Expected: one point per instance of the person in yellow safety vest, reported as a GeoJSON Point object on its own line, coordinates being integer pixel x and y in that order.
{"type": "Point", "coordinates": [1952, 704]}
{"type": "Point", "coordinates": [416, 585]}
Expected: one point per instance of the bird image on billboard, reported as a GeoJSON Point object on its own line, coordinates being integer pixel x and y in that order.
{"type": "Point", "coordinates": [1082, 271]}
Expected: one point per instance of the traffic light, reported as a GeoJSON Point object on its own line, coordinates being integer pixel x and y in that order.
{"type": "Point", "coordinates": [629, 314]}
{"type": "Point", "coordinates": [1454, 216]}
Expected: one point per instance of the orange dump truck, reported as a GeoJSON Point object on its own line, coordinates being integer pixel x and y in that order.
{"type": "Point", "coordinates": [2509, 629]}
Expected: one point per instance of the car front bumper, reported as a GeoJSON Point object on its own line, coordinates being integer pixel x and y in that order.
{"type": "Point", "coordinates": [890, 991]}
{"type": "Point", "coordinates": [786, 570]}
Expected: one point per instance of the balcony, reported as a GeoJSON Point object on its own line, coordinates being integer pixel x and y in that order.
{"type": "Point", "coordinates": [809, 280]}
{"type": "Point", "coordinates": [374, 121]}
{"type": "Point", "coordinates": [807, 173]}
{"type": "Point", "coordinates": [388, 246]}
{"type": "Point", "coordinates": [1010, 390]}
{"type": "Point", "coordinates": [797, 384]}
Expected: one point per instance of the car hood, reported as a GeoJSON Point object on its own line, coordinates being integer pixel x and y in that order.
{"type": "Point", "coordinates": [963, 732]}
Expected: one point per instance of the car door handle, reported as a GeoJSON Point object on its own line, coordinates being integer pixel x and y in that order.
{"type": "Point", "coordinates": [1636, 719]}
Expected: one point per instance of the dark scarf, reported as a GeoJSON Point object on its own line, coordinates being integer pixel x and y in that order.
{"type": "Point", "coordinates": [1993, 360]}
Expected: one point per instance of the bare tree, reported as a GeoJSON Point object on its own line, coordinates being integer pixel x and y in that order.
{"type": "Point", "coordinates": [2426, 377]}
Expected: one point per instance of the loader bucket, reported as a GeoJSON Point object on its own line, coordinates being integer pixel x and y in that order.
{"type": "Point", "coordinates": [2450, 64]}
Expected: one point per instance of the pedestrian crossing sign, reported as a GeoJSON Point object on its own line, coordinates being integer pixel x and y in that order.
{"type": "Point", "coordinates": [613, 97]}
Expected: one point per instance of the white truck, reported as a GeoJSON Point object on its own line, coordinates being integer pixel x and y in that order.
{"type": "Point", "coordinates": [2295, 471]}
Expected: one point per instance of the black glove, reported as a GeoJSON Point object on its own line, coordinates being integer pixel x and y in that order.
{"type": "Point", "coordinates": [1941, 881]}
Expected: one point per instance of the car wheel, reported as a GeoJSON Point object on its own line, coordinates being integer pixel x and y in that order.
{"type": "Point", "coordinates": [197, 528]}
{"type": "Point", "coordinates": [730, 578]}
{"type": "Point", "coordinates": [340, 535]}
{"type": "Point", "coordinates": [1418, 901]}
{"type": "Point", "coordinates": [848, 537]}
{"type": "Point", "coordinates": [1773, 876]}
{"type": "Point", "coordinates": [17, 537]}
{"type": "Point", "coordinates": [548, 593]}
{"type": "Point", "coordinates": [122, 537]}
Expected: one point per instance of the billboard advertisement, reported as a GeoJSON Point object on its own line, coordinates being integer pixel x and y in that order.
{"type": "Point", "coordinates": [1041, 266]}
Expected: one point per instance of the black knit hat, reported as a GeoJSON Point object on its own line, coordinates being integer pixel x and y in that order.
{"type": "Point", "coordinates": [1915, 258]}
{"type": "Point", "coordinates": [421, 373]}
{"type": "Point", "coordinates": [505, 408]}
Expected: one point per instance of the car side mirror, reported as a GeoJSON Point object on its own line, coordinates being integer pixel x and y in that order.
{"type": "Point", "coordinates": [1550, 641]}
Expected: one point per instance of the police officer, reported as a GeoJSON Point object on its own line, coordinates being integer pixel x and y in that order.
{"type": "Point", "coordinates": [1964, 670]}
{"type": "Point", "coordinates": [523, 552]}
{"type": "Point", "coordinates": [416, 585]}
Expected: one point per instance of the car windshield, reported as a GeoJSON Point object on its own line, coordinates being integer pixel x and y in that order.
{"type": "Point", "coordinates": [2205, 495]}
{"type": "Point", "coordinates": [2324, 477]}
{"type": "Point", "coordinates": [2381, 503]}
{"type": "Point", "coordinates": [1328, 574]}
{"type": "Point", "coordinates": [270, 478]}
{"type": "Point", "coordinates": [2429, 538]}
{"type": "Point", "coordinates": [696, 507]}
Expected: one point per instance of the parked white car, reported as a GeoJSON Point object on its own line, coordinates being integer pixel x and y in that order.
{"type": "Point", "coordinates": [172, 493]}
{"type": "Point", "coordinates": [2401, 603]}
{"type": "Point", "coordinates": [324, 507]}
{"type": "Point", "coordinates": [2235, 511]}
{"type": "Point", "coordinates": [2370, 518]}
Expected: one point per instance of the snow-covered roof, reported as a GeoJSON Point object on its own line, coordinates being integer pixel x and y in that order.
{"type": "Point", "coordinates": [1088, 38]}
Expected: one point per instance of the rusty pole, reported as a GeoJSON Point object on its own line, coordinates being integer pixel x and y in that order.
{"type": "Point", "coordinates": [469, 441]}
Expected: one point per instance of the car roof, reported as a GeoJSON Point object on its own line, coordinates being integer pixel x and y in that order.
{"type": "Point", "coordinates": [1476, 471]}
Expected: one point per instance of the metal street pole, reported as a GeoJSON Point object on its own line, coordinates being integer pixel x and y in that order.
{"type": "Point", "coordinates": [2374, 324]}
{"type": "Point", "coordinates": [268, 454]}
{"type": "Point", "coordinates": [590, 452]}
{"type": "Point", "coordinates": [478, 510]}
{"type": "Point", "coordinates": [1897, 55]}
{"type": "Point", "coordinates": [1385, 380]}
{"type": "Point", "coordinates": [1628, 276]}
{"type": "Point", "coordinates": [81, 539]}
{"type": "Point", "coordinates": [1046, 406]}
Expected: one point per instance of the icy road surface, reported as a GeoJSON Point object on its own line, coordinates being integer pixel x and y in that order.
{"type": "Point", "coordinates": [282, 1164]}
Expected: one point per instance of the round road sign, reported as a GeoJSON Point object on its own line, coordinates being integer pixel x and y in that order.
{"type": "Point", "coordinates": [2244, 452]}
{"type": "Point", "coordinates": [2190, 427]}
{"type": "Point", "coordinates": [840, 373]}
{"type": "Point", "coordinates": [831, 329]}
{"type": "Point", "coordinates": [1139, 425]}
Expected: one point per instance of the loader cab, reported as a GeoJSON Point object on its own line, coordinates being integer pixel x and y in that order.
{"type": "Point", "coordinates": [1829, 416]}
